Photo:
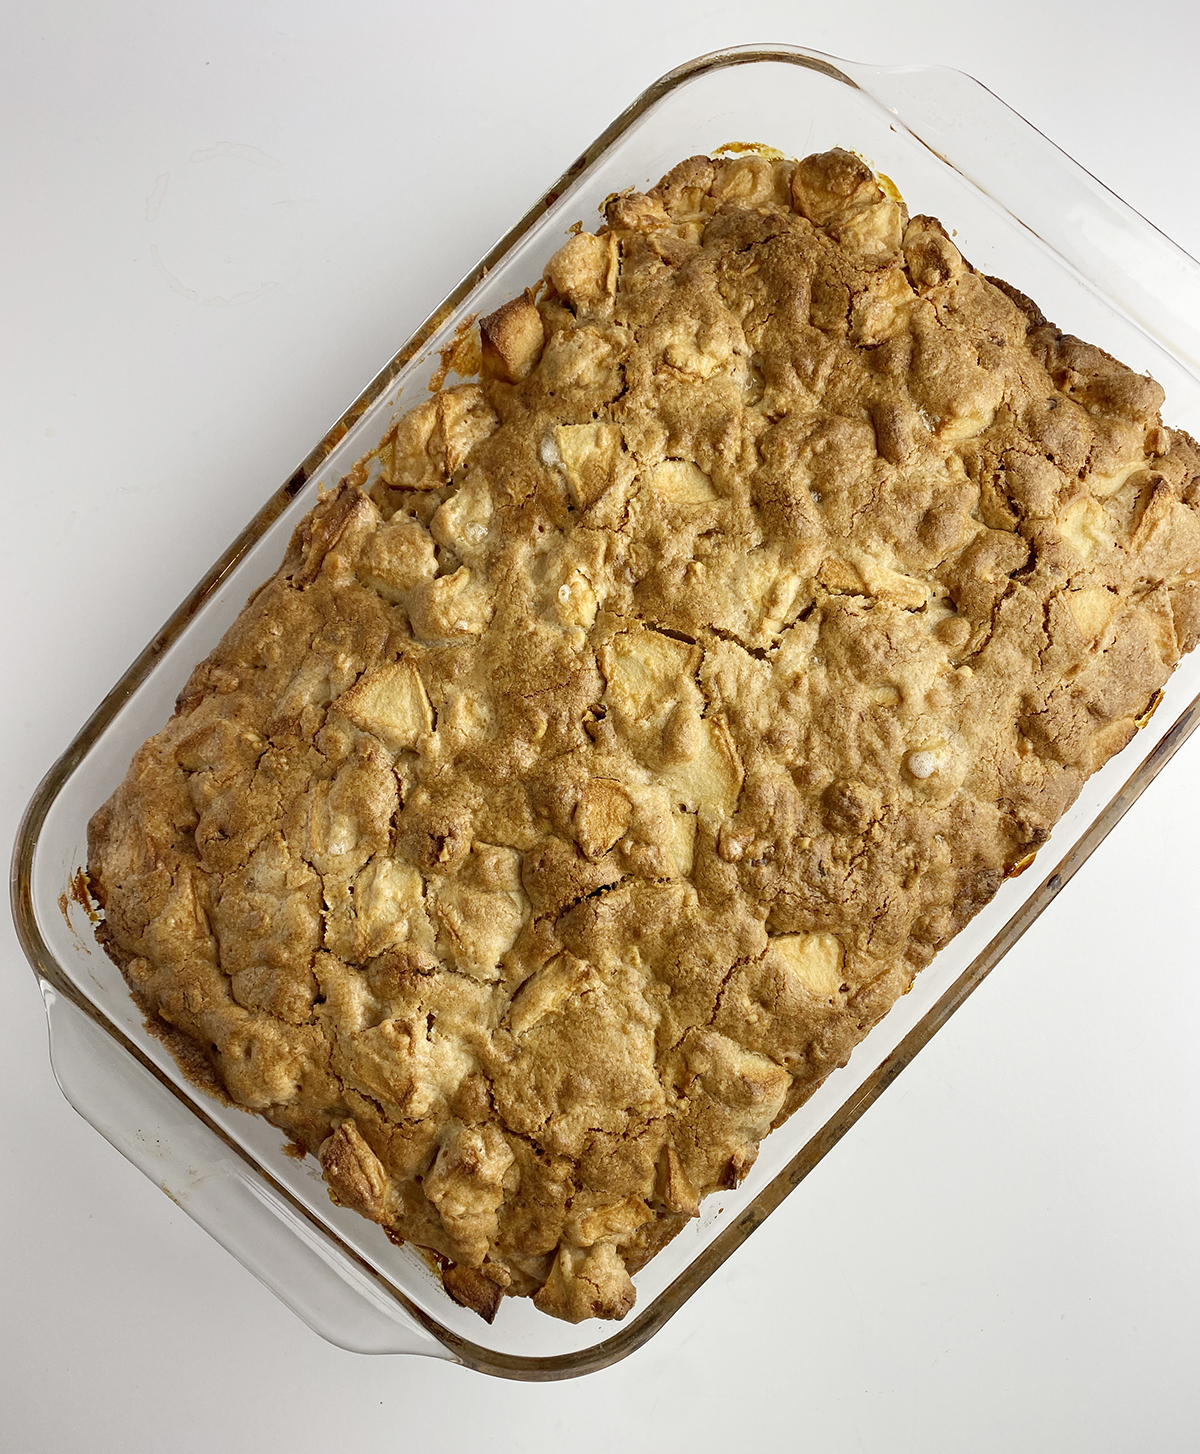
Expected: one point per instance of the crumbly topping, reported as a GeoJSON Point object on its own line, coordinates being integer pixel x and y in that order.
{"type": "Point", "coordinates": [569, 805]}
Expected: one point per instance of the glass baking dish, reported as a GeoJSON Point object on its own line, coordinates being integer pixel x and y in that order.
{"type": "Point", "coordinates": [1021, 210]}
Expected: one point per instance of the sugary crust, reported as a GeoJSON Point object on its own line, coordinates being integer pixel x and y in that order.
{"type": "Point", "coordinates": [567, 807]}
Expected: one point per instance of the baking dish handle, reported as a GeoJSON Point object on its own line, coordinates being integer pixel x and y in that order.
{"type": "Point", "coordinates": [210, 1182]}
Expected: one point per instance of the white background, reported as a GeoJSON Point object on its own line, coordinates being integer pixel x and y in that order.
{"type": "Point", "coordinates": [1004, 1253]}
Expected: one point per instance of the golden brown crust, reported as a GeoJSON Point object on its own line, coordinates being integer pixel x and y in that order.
{"type": "Point", "coordinates": [566, 809]}
{"type": "Point", "coordinates": [512, 339]}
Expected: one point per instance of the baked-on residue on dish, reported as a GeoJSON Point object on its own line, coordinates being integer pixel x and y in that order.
{"type": "Point", "coordinates": [573, 800]}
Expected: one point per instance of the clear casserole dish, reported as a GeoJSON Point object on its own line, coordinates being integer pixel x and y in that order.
{"type": "Point", "coordinates": [1022, 211]}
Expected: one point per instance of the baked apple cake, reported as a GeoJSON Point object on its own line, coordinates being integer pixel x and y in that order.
{"type": "Point", "coordinates": [612, 749]}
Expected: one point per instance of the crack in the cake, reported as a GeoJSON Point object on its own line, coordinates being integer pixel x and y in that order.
{"type": "Point", "coordinates": [760, 653]}
{"type": "Point", "coordinates": [744, 963]}
{"type": "Point", "coordinates": [553, 915]}
{"type": "Point", "coordinates": [993, 625]}
{"type": "Point", "coordinates": [667, 631]}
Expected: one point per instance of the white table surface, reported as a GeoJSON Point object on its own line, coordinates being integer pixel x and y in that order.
{"type": "Point", "coordinates": [1004, 1253]}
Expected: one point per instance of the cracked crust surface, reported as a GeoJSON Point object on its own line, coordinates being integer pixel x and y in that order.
{"type": "Point", "coordinates": [571, 803]}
